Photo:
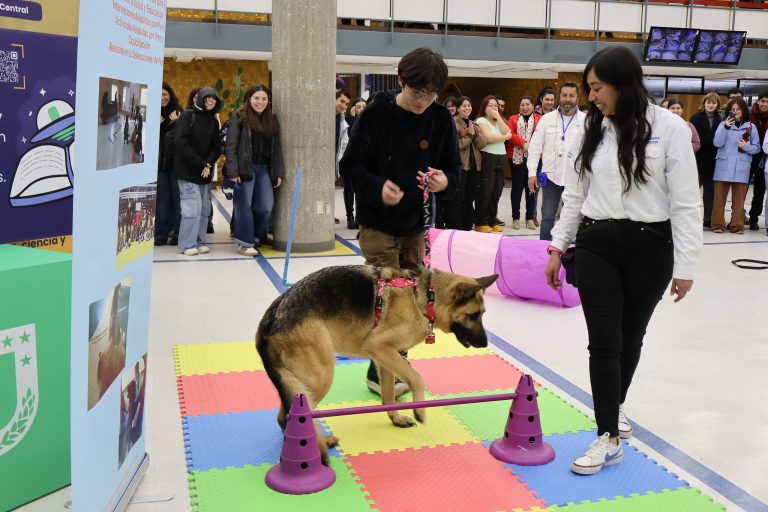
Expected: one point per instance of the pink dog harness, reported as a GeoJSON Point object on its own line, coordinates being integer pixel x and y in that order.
{"type": "Point", "coordinates": [403, 282]}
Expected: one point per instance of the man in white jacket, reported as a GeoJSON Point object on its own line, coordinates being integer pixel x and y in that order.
{"type": "Point", "coordinates": [551, 142]}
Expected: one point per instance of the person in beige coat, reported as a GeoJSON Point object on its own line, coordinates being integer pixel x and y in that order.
{"type": "Point", "coordinates": [471, 141]}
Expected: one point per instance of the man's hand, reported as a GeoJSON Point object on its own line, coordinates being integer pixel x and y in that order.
{"type": "Point", "coordinates": [680, 287]}
{"type": "Point", "coordinates": [391, 193]}
{"type": "Point", "coordinates": [437, 182]}
{"type": "Point", "coordinates": [532, 184]}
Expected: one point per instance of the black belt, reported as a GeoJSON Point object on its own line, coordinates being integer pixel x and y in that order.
{"type": "Point", "coordinates": [661, 229]}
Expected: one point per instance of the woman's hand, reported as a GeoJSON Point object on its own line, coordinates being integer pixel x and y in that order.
{"type": "Point", "coordinates": [278, 182]}
{"type": "Point", "coordinates": [206, 171]}
{"type": "Point", "coordinates": [174, 115]}
{"type": "Point", "coordinates": [741, 143]}
{"type": "Point", "coordinates": [680, 287]}
{"type": "Point", "coordinates": [235, 180]}
{"type": "Point", "coordinates": [729, 121]}
{"type": "Point", "coordinates": [471, 128]}
{"type": "Point", "coordinates": [552, 272]}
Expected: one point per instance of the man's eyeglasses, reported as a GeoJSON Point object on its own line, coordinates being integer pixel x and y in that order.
{"type": "Point", "coordinates": [422, 93]}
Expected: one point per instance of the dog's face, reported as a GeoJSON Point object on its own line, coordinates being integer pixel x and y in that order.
{"type": "Point", "coordinates": [466, 310]}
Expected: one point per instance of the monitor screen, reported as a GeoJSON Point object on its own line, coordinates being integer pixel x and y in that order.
{"type": "Point", "coordinates": [670, 44]}
{"type": "Point", "coordinates": [720, 46]}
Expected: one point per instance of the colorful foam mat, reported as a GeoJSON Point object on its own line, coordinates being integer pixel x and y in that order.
{"type": "Point", "coordinates": [229, 409]}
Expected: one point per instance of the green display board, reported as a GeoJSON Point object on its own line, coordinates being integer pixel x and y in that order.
{"type": "Point", "coordinates": [35, 311]}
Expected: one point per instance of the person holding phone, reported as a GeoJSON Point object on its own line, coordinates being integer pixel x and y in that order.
{"type": "Point", "coordinates": [492, 167]}
{"type": "Point", "coordinates": [736, 140]}
{"type": "Point", "coordinates": [632, 196]}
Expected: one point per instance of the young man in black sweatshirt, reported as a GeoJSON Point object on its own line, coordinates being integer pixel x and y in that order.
{"type": "Point", "coordinates": [398, 138]}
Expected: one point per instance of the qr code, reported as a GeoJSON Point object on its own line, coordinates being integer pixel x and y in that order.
{"type": "Point", "coordinates": [9, 67]}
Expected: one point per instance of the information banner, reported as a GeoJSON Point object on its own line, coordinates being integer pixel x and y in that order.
{"type": "Point", "coordinates": [119, 82]}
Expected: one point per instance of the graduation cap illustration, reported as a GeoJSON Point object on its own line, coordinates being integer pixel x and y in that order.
{"type": "Point", "coordinates": [45, 173]}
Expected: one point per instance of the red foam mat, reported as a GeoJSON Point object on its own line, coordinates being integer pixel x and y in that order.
{"type": "Point", "coordinates": [220, 393]}
{"type": "Point", "coordinates": [443, 478]}
{"type": "Point", "coordinates": [443, 376]}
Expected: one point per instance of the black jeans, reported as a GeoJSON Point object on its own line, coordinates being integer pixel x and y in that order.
{"type": "Point", "coordinates": [758, 189]}
{"type": "Point", "coordinates": [624, 268]}
{"type": "Point", "coordinates": [520, 187]}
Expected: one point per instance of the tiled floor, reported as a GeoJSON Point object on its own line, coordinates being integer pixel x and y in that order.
{"type": "Point", "coordinates": [698, 400]}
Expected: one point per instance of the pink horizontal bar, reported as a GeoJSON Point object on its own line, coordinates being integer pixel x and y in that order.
{"type": "Point", "coordinates": [413, 405]}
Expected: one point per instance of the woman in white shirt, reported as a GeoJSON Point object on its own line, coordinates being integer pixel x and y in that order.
{"type": "Point", "coordinates": [494, 162]}
{"type": "Point", "coordinates": [631, 193]}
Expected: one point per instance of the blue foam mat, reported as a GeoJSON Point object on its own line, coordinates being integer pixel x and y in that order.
{"type": "Point", "coordinates": [234, 439]}
{"type": "Point", "coordinates": [557, 485]}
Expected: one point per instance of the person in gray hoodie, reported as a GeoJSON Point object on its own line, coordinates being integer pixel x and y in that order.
{"type": "Point", "coordinates": [197, 147]}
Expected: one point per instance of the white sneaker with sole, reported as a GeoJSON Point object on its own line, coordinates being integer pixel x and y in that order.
{"type": "Point", "coordinates": [625, 429]}
{"type": "Point", "coordinates": [401, 387]}
{"type": "Point", "coordinates": [190, 252]}
{"type": "Point", "coordinates": [203, 249]}
{"type": "Point", "coordinates": [601, 452]}
{"type": "Point", "coordinates": [247, 251]}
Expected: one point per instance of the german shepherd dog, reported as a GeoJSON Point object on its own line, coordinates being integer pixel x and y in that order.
{"type": "Point", "coordinates": [332, 311]}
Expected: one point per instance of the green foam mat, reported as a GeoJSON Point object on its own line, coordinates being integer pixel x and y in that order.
{"type": "Point", "coordinates": [349, 385]}
{"type": "Point", "coordinates": [242, 489]}
{"type": "Point", "coordinates": [486, 420]}
{"type": "Point", "coordinates": [680, 500]}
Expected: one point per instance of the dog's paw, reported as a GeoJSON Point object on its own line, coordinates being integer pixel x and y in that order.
{"type": "Point", "coordinates": [420, 415]}
{"type": "Point", "coordinates": [403, 421]}
{"type": "Point", "coordinates": [331, 441]}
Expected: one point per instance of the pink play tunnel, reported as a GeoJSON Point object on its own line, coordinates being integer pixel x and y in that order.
{"type": "Point", "coordinates": [519, 262]}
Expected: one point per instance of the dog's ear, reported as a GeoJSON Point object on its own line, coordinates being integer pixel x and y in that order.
{"type": "Point", "coordinates": [464, 292]}
{"type": "Point", "coordinates": [487, 281]}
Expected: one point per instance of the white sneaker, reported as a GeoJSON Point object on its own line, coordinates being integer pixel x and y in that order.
{"type": "Point", "coordinates": [601, 452]}
{"type": "Point", "coordinates": [190, 252]}
{"type": "Point", "coordinates": [625, 429]}
{"type": "Point", "coordinates": [203, 249]}
{"type": "Point", "coordinates": [247, 251]}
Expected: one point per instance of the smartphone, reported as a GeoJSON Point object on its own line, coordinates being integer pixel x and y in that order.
{"type": "Point", "coordinates": [731, 115]}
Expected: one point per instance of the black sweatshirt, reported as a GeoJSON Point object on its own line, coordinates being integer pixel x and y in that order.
{"type": "Point", "coordinates": [390, 143]}
{"type": "Point", "coordinates": [197, 140]}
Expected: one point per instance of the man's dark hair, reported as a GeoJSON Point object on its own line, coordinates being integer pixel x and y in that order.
{"type": "Point", "coordinates": [341, 93]}
{"type": "Point", "coordinates": [422, 68]}
{"type": "Point", "coordinates": [571, 85]}
{"type": "Point", "coordinates": [763, 94]}
{"type": "Point", "coordinates": [498, 97]}
{"type": "Point", "coordinates": [735, 90]}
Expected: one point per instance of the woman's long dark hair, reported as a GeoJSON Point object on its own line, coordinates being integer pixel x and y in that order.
{"type": "Point", "coordinates": [260, 123]}
{"type": "Point", "coordinates": [173, 104]}
{"type": "Point", "coordinates": [619, 67]}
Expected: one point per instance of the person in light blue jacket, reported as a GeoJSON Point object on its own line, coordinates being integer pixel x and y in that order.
{"type": "Point", "coordinates": [736, 140]}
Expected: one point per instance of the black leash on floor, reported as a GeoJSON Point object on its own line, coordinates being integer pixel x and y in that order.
{"type": "Point", "coordinates": [758, 264]}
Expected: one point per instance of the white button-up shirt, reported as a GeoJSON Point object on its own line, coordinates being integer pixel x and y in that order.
{"type": "Point", "coordinates": [671, 192]}
{"type": "Point", "coordinates": [547, 142]}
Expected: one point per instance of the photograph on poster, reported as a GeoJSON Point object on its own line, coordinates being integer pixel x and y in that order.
{"type": "Point", "coordinates": [107, 333]}
{"type": "Point", "coordinates": [131, 407]}
{"type": "Point", "coordinates": [122, 115]}
{"type": "Point", "coordinates": [135, 223]}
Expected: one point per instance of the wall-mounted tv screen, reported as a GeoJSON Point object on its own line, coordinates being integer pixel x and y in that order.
{"type": "Point", "coordinates": [668, 44]}
{"type": "Point", "coordinates": [720, 46]}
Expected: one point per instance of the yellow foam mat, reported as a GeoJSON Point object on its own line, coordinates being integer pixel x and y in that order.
{"type": "Point", "coordinates": [339, 250]}
{"type": "Point", "coordinates": [445, 345]}
{"type": "Point", "coordinates": [374, 432]}
{"type": "Point", "coordinates": [203, 358]}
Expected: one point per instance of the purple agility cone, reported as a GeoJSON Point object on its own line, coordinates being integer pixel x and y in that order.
{"type": "Point", "coordinates": [300, 470]}
{"type": "Point", "coordinates": [522, 442]}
